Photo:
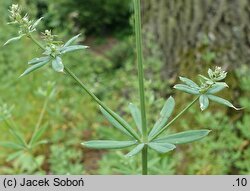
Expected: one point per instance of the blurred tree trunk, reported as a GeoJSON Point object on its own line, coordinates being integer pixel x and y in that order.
{"type": "Point", "coordinates": [212, 31]}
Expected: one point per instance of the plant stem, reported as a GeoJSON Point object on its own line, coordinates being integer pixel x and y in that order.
{"type": "Point", "coordinates": [39, 120]}
{"type": "Point", "coordinates": [36, 42]}
{"type": "Point", "coordinates": [140, 65]}
{"type": "Point", "coordinates": [175, 118]}
{"type": "Point", "coordinates": [138, 35]}
{"type": "Point", "coordinates": [145, 160]}
{"type": "Point", "coordinates": [72, 75]}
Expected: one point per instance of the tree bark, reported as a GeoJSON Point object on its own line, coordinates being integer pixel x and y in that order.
{"type": "Point", "coordinates": [211, 31]}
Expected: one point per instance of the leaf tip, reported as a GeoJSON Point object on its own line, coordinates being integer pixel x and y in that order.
{"type": "Point", "coordinates": [128, 156]}
{"type": "Point", "coordinates": [21, 76]}
{"type": "Point", "coordinates": [238, 108]}
{"type": "Point", "coordinates": [180, 77]}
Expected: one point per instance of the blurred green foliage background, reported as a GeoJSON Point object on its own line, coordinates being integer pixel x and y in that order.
{"type": "Point", "coordinates": [109, 69]}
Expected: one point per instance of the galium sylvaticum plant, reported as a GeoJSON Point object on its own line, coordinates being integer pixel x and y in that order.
{"type": "Point", "coordinates": [142, 137]}
{"type": "Point", "coordinates": [23, 150]}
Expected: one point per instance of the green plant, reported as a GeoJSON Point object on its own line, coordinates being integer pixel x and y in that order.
{"type": "Point", "coordinates": [23, 156]}
{"type": "Point", "coordinates": [142, 138]}
{"type": "Point", "coordinates": [65, 160]}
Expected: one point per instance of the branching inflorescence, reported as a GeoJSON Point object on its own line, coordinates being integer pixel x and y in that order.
{"type": "Point", "coordinates": [140, 137]}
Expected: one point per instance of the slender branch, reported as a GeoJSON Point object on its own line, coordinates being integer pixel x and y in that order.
{"type": "Point", "coordinates": [175, 118]}
{"type": "Point", "coordinates": [72, 75]}
{"type": "Point", "coordinates": [138, 36]}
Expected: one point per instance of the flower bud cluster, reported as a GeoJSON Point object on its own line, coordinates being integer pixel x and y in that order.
{"type": "Point", "coordinates": [52, 46]}
{"type": "Point", "coordinates": [214, 77]}
{"type": "Point", "coordinates": [24, 22]}
{"type": "Point", "coordinates": [217, 75]}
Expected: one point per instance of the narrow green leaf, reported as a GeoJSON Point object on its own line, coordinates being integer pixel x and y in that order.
{"type": "Point", "coordinates": [42, 142]}
{"type": "Point", "coordinates": [205, 78]}
{"type": "Point", "coordinates": [189, 82]}
{"type": "Point", "coordinates": [37, 60]}
{"type": "Point", "coordinates": [135, 151]}
{"type": "Point", "coordinates": [36, 23]}
{"type": "Point", "coordinates": [13, 39]}
{"type": "Point", "coordinates": [136, 114]}
{"type": "Point", "coordinates": [183, 137]}
{"type": "Point", "coordinates": [108, 144]}
{"type": "Point", "coordinates": [57, 64]}
{"type": "Point", "coordinates": [116, 123]}
{"type": "Point", "coordinates": [165, 113]}
{"type": "Point", "coordinates": [38, 134]}
{"type": "Point", "coordinates": [186, 89]}
{"type": "Point", "coordinates": [13, 156]}
{"type": "Point", "coordinates": [33, 68]}
{"type": "Point", "coordinates": [222, 101]}
{"type": "Point", "coordinates": [70, 41]}
{"type": "Point", "coordinates": [204, 102]}
{"type": "Point", "coordinates": [217, 87]}
{"type": "Point", "coordinates": [18, 137]}
{"type": "Point", "coordinates": [72, 48]}
{"type": "Point", "coordinates": [161, 147]}
{"type": "Point", "coordinates": [210, 73]}
{"type": "Point", "coordinates": [11, 145]}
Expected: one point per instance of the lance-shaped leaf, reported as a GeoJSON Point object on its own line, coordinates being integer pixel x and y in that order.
{"type": "Point", "coordinates": [33, 68]}
{"type": "Point", "coordinates": [222, 101]}
{"type": "Point", "coordinates": [218, 86]}
{"type": "Point", "coordinates": [108, 144]}
{"type": "Point", "coordinates": [204, 102]}
{"type": "Point", "coordinates": [165, 113]}
{"type": "Point", "coordinates": [210, 73]}
{"type": "Point", "coordinates": [70, 41]}
{"type": "Point", "coordinates": [72, 48]}
{"type": "Point", "coordinates": [13, 39]}
{"type": "Point", "coordinates": [189, 82]}
{"type": "Point", "coordinates": [183, 137]}
{"type": "Point", "coordinates": [14, 155]}
{"type": "Point", "coordinates": [135, 150]}
{"type": "Point", "coordinates": [18, 137]}
{"type": "Point", "coordinates": [205, 78]}
{"type": "Point", "coordinates": [42, 142]}
{"type": "Point", "coordinates": [37, 135]}
{"type": "Point", "coordinates": [37, 60]}
{"type": "Point", "coordinates": [57, 64]}
{"type": "Point", "coordinates": [36, 23]}
{"type": "Point", "coordinates": [117, 124]}
{"type": "Point", "coordinates": [187, 89]}
{"type": "Point", "coordinates": [161, 147]}
{"type": "Point", "coordinates": [11, 145]}
{"type": "Point", "coordinates": [136, 114]}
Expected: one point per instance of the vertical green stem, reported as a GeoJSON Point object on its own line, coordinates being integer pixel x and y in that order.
{"type": "Point", "coordinates": [138, 35]}
{"type": "Point", "coordinates": [145, 160]}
